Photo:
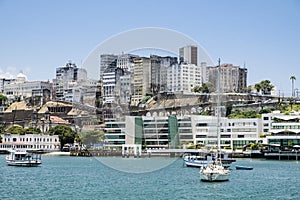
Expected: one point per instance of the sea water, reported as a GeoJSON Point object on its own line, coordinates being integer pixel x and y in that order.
{"type": "Point", "coordinates": [63, 177]}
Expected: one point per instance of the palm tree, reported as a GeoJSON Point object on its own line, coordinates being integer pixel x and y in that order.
{"type": "Point", "coordinates": [293, 78]}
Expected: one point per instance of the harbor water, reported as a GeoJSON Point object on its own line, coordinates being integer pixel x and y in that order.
{"type": "Point", "coordinates": [64, 177]}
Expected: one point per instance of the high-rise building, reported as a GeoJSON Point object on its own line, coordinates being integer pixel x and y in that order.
{"type": "Point", "coordinates": [183, 78]}
{"type": "Point", "coordinates": [111, 76]}
{"type": "Point", "coordinates": [141, 79]}
{"type": "Point", "coordinates": [125, 62]}
{"type": "Point", "coordinates": [68, 81]}
{"type": "Point", "coordinates": [232, 78]}
{"type": "Point", "coordinates": [159, 68]}
{"type": "Point", "coordinates": [189, 55]}
{"type": "Point", "coordinates": [106, 60]}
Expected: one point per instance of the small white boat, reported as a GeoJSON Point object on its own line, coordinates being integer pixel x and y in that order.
{"type": "Point", "coordinates": [214, 172]}
{"type": "Point", "coordinates": [204, 160]}
{"type": "Point", "coordinates": [197, 161]}
{"type": "Point", "coordinates": [23, 159]}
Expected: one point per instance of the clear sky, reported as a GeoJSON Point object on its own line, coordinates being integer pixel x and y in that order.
{"type": "Point", "coordinates": [38, 36]}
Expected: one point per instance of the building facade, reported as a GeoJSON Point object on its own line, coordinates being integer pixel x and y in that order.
{"type": "Point", "coordinates": [20, 89]}
{"type": "Point", "coordinates": [232, 78]}
{"type": "Point", "coordinates": [69, 82]}
{"type": "Point", "coordinates": [125, 62]}
{"type": "Point", "coordinates": [179, 131]}
{"type": "Point", "coordinates": [106, 60]}
{"type": "Point", "coordinates": [281, 130]}
{"type": "Point", "coordinates": [182, 78]}
{"type": "Point", "coordinates": [189, 55]}
{"type": "Point", "coordinates": [30, 142]}
{"type": "Point", "coordinates": [141, 80]}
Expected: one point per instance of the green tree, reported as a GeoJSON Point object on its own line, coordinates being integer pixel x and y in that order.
{"type": "Point", "coordinates": [2, 128]}
{"type": "Point", "coordinates": [65, 134]}
{"type": "Point", "coordinates": [32, 130]}
{"type": "Point", "coordinates": [265, 87]}
{"type": "Point", "coordinates": [205, 88]}
{"type": "Point", "coordinates": [3, 100]}
{"type": "Point", "coordinates": [15, 130]}
{"type": "Point", "coordinates": [243, 114]}
{"type": "Point", "coordinates": [92, 137]}
{"type": "Point", "coordinates": [293, 78]}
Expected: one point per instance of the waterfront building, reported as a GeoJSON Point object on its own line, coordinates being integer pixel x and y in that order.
{"type": "Point", "coordinates": [161, 132]}
{"type": "Point", "coordinates": [281, 129]}
{"type": "Point", "coordinates": [232, 78]}
{"type": "Point", "coordinates": [107, 60]}
{"type": "Point", "coordinates": [114, 133]}
{"type": "Point", "coordinates": [189, 55]}
{"type": "Point", "coordinates": [234, 133]}
{"type": "Point", "coordinates": [30, 142]}
{"type": "Point", "coordinates": [141, 79]}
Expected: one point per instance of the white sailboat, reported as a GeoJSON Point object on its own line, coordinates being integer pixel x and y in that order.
{"type": "Point", "coordinates": [216, 171]}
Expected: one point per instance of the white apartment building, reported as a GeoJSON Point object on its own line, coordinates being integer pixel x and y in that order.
{"type": "Point", "coordinates": [183, 78]}
{"type": "Point", "coordinates": [111, 77]}
{"type": "Point", "coordinates": [173, 132]}
{"type": "Point", "coordinates": [30, 142]}
{"type": "Point", "coordinates": [281, 129]}
{"type": "Point", "coordinates": [21, 88]}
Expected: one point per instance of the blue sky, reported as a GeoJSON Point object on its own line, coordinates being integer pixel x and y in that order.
{"type": "Point", "coordinates": [38, 36]}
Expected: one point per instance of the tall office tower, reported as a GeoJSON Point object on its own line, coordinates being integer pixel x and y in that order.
{"type": "Point", "coordinates": [204, 72]}
{"type": "Point", "coordinates": [67, 81]}
{"type": "Point", "coordinates": [125, 62]}
{"type": "Point", "coordinates": [189, 55]}
{"type": "Point", "coordinates": [111, 76]}
{"type": "Point", "coordinates": [232, 78]}
{"type": "Point", "coordinates": [159, 66]}
{"type": "Point", "coordinates": [141, 79]}
{"type": "Point", "coordinates": [106, 60]}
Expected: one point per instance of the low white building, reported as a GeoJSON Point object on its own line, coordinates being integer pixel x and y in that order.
{"type": "Point", "coordinates": [30, 142]}
{"type": "Point", "coordinates": [281, 129]}
{"type": "Point", "coordinates": [21, 88]}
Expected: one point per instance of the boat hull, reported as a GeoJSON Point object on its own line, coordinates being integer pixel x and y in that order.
{"type": "Point", "coordinates": [23, 163]}
{"type": "Point", "coordinates": [213, 177]}
{"type": "Point", "coordinates": [197, 163]}
{"type": "Point", "coordinates": [243, 168]}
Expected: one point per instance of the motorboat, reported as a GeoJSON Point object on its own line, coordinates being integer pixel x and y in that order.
{"type": "Point", "coordinates": [23, 158]}
{"type": "Point", "coordinates": [200, 161]}
{"type": "Point", "coordinates": [239, 167]}
{"type": "Point", "coordinates": [214, 172]}
{"type": "Point", "coordinates": [197, 161]}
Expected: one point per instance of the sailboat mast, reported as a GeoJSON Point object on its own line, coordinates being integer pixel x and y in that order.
{"type": "Point", "coordinates": [219, 105]}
